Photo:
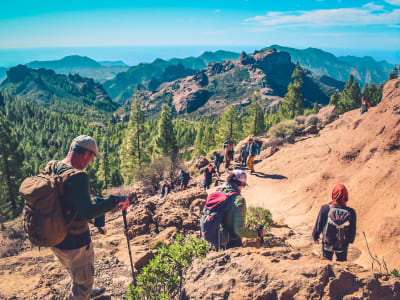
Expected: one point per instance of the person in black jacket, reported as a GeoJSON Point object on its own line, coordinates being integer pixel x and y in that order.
{"type": "Point", "coordinates": [337, 223]}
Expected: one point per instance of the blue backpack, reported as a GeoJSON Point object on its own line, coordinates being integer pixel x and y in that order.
{"type": "Point", "coordinates": [210, 222]}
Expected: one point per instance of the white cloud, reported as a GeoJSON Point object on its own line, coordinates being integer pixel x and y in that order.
{"type": "Point", "coordinates": [393, 2]}
{"type": "Point", "coordinates": [369, 14]}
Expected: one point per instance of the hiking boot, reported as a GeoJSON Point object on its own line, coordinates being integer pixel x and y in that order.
{"type": "Point", "coordinates": [97, 291]}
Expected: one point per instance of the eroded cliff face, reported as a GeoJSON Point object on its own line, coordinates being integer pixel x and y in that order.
{"type": "Point", "coordinates": [234, 81]}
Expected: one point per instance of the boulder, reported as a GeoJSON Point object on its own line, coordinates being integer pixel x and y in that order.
{"type": "Point", "coordinates": [325, 112]}
{"type": "Point", "coordinates": [200, 162]}
{"type": "Point", "coordinates": [313, 129]}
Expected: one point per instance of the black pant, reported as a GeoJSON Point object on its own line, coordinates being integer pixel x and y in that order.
{"type": "Point", "coordinates": [340, 256]}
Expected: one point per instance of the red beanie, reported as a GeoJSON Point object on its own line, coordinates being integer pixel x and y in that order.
{"type": "Point", "coordinates": [340, 195]}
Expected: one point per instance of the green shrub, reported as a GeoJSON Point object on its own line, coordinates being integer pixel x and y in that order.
{"type": "Point", "coordinates": [257, 216]}
{"type": "Point", "coordinates": [163, 277]}
{"type": "Point", "coordinates": [286, 130]}
{"type": "Point", "coordinates": [312, 120]}
{"type": "Point", "coordinates": [395, 273]}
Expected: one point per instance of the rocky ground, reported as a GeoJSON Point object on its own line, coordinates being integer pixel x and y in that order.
{"type": "Point", "coordinates": [293, 181]}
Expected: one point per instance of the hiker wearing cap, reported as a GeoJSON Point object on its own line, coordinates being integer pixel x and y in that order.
{"type": "Point", "coordinates": [226, 208]}
{"type": "Point", "coordinates": [254, 150]}
{"type": "Point", "coordinates": [75, 252]}
{"type": "Point", "coordinates": [337, 223]}
{"type": "Point", "coordinates": [365, 105]}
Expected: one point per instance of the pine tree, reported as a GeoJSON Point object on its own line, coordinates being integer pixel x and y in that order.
{"type": "Point", "coordinates": [198, 142]}
{"type": "Point", "coordinates": [350, 98]}
{"type": "Point", "coordinates": [293, 103]}
{"type": "Point", "coordinates": [166, 140]}
{"type": "Point", "coordinates": [334, 99]}
{"type": "Point", "coordinates": [132, 152]}
{"type": "Point", "coordinates": [229, 125]}
{"type": "Point", "coordinates": [209, 138]}
{"type": "Point", "coordinates": [394, 74]}
{"type": "Point", "coordinates": [315, 109]}
{"type": "Point", "coordinates": [11, 159]}
{"type": "Point", "coordinates": [256, 115]}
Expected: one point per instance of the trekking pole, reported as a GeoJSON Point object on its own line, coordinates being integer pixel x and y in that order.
{"type": "Point", "coordinates": [129, 246]}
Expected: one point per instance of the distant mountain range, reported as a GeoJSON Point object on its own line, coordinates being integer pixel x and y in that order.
{"type": "Point", "coordinates": [364, 69]}
{"type": "Point", "coordinates": [65, 93]}
{"type": "Point", "coordinates": [210, 90]}
{"type": "Point", "coordinates": [151, 75]}
{"type": "Point", "coordinates": [83, 66]}
{"type": "Point", "coordinates": [2, 73]}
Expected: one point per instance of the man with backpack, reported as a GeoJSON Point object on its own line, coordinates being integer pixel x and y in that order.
{"type": "Point", "coordinates": [224, 217]}
{"type": "Point", "coordinates": [73, 246]}
{"type": "Point", "coordinates": [254, 150]}
{"type": "Point", "coordinates": [184, 179]}
{"type": "Point", "coordinates": [337, 223]}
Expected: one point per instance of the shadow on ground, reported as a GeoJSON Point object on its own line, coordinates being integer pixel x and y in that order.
{"type": "Point", "coordinates": [269, 176]}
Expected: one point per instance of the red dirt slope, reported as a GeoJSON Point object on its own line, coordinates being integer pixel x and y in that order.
{"type": "Point", "coordinates": [360, 151]}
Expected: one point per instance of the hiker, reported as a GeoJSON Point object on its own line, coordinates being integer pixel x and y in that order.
{"type": "Point", "coordinates": [218, 158]}
{"type": "Point", "coordinates": [337, 223]}
{"type": "Point", "coordinates": [365, 105]}
{"type": "Point", "coordinates": [184, 179]}
{"type": "Point", "coordinates": [75, 252]}
{"type": "Point", "coordinates": [208, 173]}
{"type": "Point", "coordinates": [228, 146]}
{"type": "Point", "coordinates": [254, 150]}
{"type": "Point", "coordinates": [165, 189]}
{"type": "Point", "coordinates": [244, 153]}
{"type": "Point", "coordinates": [226, 209]}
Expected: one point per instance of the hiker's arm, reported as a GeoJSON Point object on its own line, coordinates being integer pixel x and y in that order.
{"type": "Point", "coordinates": [352, 228]}
{"type": "Point", "coordinates": [319, 225]}
{"type": "Point", "coordinates": [239, 219]}
{"type": "Point", "coordinates": [81, 197]}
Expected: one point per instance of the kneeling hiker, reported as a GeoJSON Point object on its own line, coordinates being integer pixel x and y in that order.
{"type": "Point", "coordinates": [337, 223]}
{"type": "Point", "coordinates": [224, 217]}
{"type": "Point", "coordinates": [66, 228]}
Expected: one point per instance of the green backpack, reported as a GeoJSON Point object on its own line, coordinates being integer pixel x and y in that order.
{"type": "Point", "coordinates": [44, 220]}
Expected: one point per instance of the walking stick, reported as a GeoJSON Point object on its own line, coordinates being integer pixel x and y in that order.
{"type": "Point", "coordinates": [129, 246]}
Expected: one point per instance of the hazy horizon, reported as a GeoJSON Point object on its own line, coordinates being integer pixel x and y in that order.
{"type": "Point", "coordinates": [132, 55]}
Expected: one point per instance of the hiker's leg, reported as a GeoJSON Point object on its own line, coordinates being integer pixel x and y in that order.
{"type": "Point", "coordinates": [80, 265]}
{"type": "Point", "coordinates": [250, 163]}
{"type": "Point", "coordinates": [341, 256]}
{"type": "Point", "coordinates": [327, 254]}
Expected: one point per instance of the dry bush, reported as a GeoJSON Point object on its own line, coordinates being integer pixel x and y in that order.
{"type": "Point", "coordinates": [272, 142]}
{"type": "Point", "coordinates": [14, 239]}
{"type": "Point", "coordinates": [312, 120]}
{"type": "Point", "coordinates": [286, 130]}
{"type": "Point", "coordinates": [300, 120]}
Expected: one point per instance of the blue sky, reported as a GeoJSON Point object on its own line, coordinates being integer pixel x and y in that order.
{"type": "Point", "coordinates": [326, 24]}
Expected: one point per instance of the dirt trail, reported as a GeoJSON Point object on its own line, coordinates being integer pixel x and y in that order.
{"type": "Point", "coordinates": [362, 152]}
